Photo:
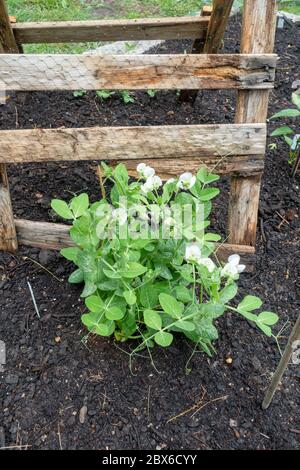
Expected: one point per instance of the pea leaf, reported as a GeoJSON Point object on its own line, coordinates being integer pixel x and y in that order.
{"type": "Point", "coordinates": [148, 296]}
{"type": "Point", "coordinates": [133, 270]}
{"type": "Point", "coordinates": [265, 328]}
{"type": "Point", "coordinates": [208, 194]}
{"type": "Point", "coordinates": [70, 253]}
{"type": "Point", "coordinates": [268, 318]}
{"type": "Point", "coordinates": [94, 303]}
{"type": "Point", "coordinates": [228, 293]}
{"type": "Point", "coordinates": [152, 319]}
{"type": "Point", "coordinates": [62, 209]}
{"type": "Point", "coordinates": [164, 339]}
{"type": "Point", "coordinates": [249, 303]}
{"type": "Point", "coordinates": [76, 277]}
{"type": "Point", "coordinates": [296, 99]}
{"type": "Point", "coordinates": [114, 313]}
{"type": "Point", "coordinates": [79, 205]}
{"type": "Point", "coordinates": [284, 130]}
{"type": "Point", "coordinates": [185, 325]}
{"type": "Point", "coordinates": [171, 306]}
{"type": "Point", "coordinates": [89, 289]}
{"type": "Point", "coordinates": [130, 297]}
{"type": "Point", "coordinates": [291, 112]}
{"type": "Point", "coordinates": [183, 294]}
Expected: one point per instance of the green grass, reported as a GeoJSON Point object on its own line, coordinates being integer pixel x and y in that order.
{"type": "Point", "coordinates": [55, 10]}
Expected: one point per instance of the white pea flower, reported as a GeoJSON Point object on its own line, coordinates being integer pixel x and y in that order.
{"type": "Point", "coordinates": [186, 181]}
{"type": "Point", "coordinates": [208, 263]}
{"type": "Point", "coordinates": [193, 252]}
{"type": "Point", "coordinates": [169, 221]}
{"type": "Point", "coordinates": [145, 171]}
{"type": "Point", "coordinates": [152, 183]}
{"type": "Point", "coordinates": [120, 215]}
{"type": "Point", "coordinates": [170, 181]}
{"type": "Point", "coordinates": [233, 267]}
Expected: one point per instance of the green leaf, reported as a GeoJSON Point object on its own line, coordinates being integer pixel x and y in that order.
{"type": "Point", "coordinates": [94, 303]}
{"type": "Point", "coordinates": [114, 313]}
{"type": "Point", "coordinates": [79, 205]}
{"type": "Point", "coordinates": [152, 319]}
{"type": "Point", "coordinates": [284, 130]}
{"type": "Point", "coordinates": [171, 306]}
{"type": "Point", "coordinates": [130, 297]}
{"type": "Point", "coordinates": [212, 237]}
{"type": "Point", "coordinates": [208, 194]}
{"type": "Point", "coordinates": [133, 270]}
{"type": "Point", "coordinates": [164, 339]}
{"type": "Point", "coordinates": [183, 294]}
{"type": "Point", "coordinates": [291, 112]}
{"type": "Point", "coordinates": [296, 99]}
{"type": "Point", "coordinates": [206, 178]}
{"type": "Point", "coordinates": [265, 328]}
{"type": "Point", "coordinates": [250, 303]}
{"type": "Point", "coordinates": [112, 274]}
{"type": "Point", "coordinates": [268, 318]}
{"type": "Point", "coordinates": [70, 253]}
{"type": "Point", "coordinates": [228, 293]}
{"type": "Point", "coordinates": [148, 296]}
{"type": "Point", "coordinates": [89, 289]}
{"type": "Point", "coordinates": [185, 325]}
{"type": "Point", "coordinates": [62, 209]}
{"type": "Point", "coordinates": [76, 277]}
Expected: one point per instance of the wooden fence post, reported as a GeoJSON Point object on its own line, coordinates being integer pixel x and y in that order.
{"type": "Point", "coordinates": [219, 15]}
{"type": "Point", "coordinates": [283, 364]}
{"type": "Point", "coordinates": [8, 237]}
{"type": "Point", "coordinates": [258, 36]}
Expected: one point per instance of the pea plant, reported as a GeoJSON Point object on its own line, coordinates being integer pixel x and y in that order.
{"type": "Point", "coordinates": [290, 135]}
{"type": "Point", "coordinates": [148, 263]}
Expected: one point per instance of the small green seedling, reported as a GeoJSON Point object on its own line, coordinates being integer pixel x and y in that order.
{"type": "Point", "coordinates": [104, 94]}
{"type": "Point", "coordinates": [127, 96]}
{"type": "Point", "coordinates": [152, 93]}
{"type": "Point", "coordinates": [79, 93]}
{"type": "Point", "coordinates": [290, 135]}
{"type": "Point", "coordinates": [129, 46]}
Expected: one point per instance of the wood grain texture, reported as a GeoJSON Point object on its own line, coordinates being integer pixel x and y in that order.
{"type": "Point", "coordinates": [114, 143]}
{"type": "Point", "coordinates": [122, 72]}
{"type": "Point", "coordinates": [7, 40]}
{"type": "Point", "coordinates": [217, 25]}
{"type": "Point", "coordinates": [110, 30]}
{"type": "Point", "coordinates": [171, 168]}
{"type": "Point", "coordinates": [8, 238]}
{"type": "Point", "coordinates": [220, 13]}
{"type": "Point", "coordinates": [258, 35]}
{"type": "Point", "coordinates": [51, 236]}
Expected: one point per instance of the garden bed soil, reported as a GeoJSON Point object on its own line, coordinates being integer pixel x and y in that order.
{"type": "Point", "coordinates": [51, 375]}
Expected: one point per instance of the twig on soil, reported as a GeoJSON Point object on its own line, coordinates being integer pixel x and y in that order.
{"type": "Point", "coordinates": [100, 176]}
{"type": "Point", "coordinates": [43, 267]}
{"type": "Point", "coordinates": [283, 220]}
{"type": "Point", "coordinates": [59, 437]}
{"type": "Point", "coordinates": [192, 408]}
{"type": "Point", "coordinates": [223, 398]}
{"type": "Point", "coordinates": [262, 229]}
{"type": "Point", "coordinates": [33, 299]}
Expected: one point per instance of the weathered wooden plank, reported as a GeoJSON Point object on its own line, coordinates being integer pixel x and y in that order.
{"type": "Point", "coordinates": [114, 143]}
{"type": "Point", "coordinates": [8, 238]}
{"type": "Point", "coordinates": [220, 13]}
{"type": "Point", "coordinates": [170, 168]}
{"type": "Point", "coordinates": [110, 30]}
{"type": "Point", "coordinates": [217, 25]}
{"type": "Point", "coordinates": [56, 236]}
{"type": "Point", "coordinates": [7, 40]}
{"type": "Point", "coordinates": [88, 72]}
{"type": "Point", "coordinates": [258, 35]}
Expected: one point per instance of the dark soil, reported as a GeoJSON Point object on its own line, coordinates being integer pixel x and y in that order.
{"type": "Point", "coordinates": [51, 375]}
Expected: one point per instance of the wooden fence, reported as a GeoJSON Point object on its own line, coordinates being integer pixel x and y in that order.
{"type": "Point", "coordinates": [170, 149]}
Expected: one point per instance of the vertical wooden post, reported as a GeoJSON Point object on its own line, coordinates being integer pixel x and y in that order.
{"type": "Point", "coordinates": [218, 20]}
{"type": "Point", "coordinates": [283, 364]}
{"type": "Point", "coordinates": [258, 36]}
{"type": "Point", "coordinates": [8, 237]}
